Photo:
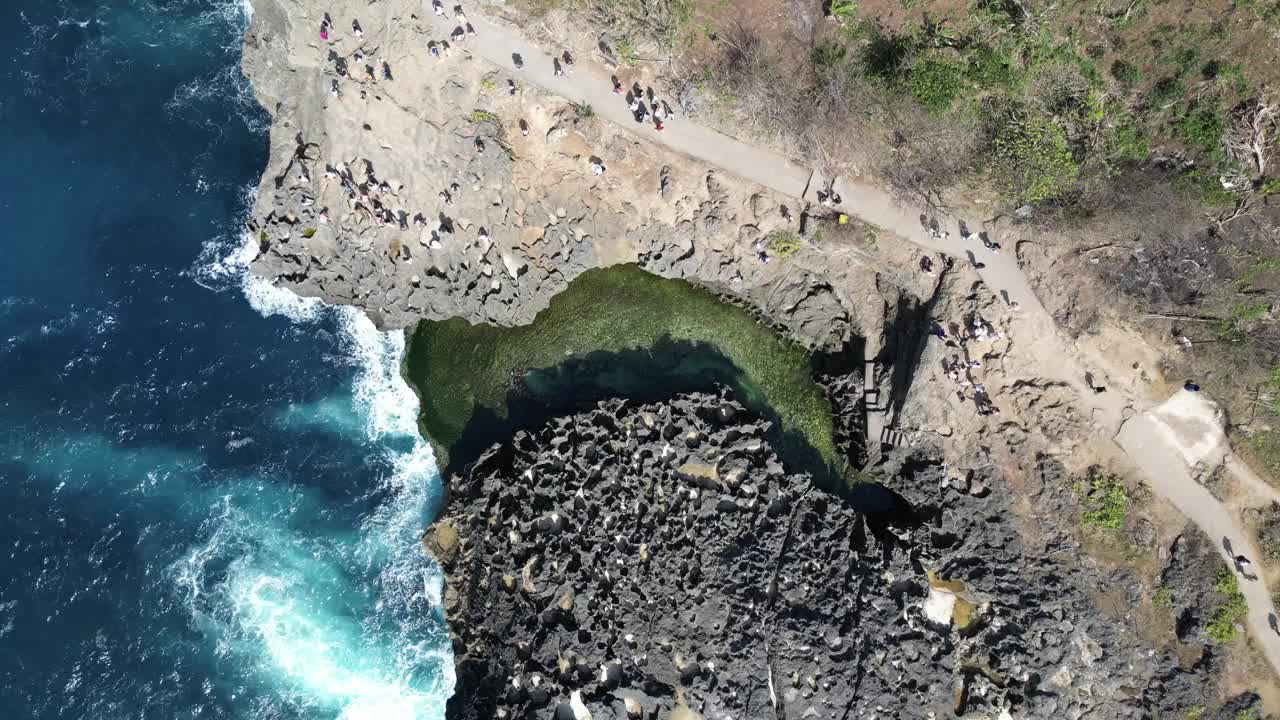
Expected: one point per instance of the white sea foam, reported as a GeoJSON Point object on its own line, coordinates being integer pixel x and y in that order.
{"type": "Point", "coordinates": [284, 602]}
{"type": "Point", "coordinates": [227, 89]}
{"type": "Point", "coordinates": [270, 300]}
{"type": "Point", "coordinates": [390, 407]}
{"type": "Point", "coordinates": [222, 265]}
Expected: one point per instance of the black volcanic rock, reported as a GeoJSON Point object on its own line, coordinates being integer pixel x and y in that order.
{"type": "Point", "coordinates": [634, 561]}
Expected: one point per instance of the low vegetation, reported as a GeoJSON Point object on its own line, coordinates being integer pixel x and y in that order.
{"type": "Point", "coordinates": [1104, 501]}
{"type": "Point", "coordinates": [1263, 447]}
{"type": "Point", "coordinates": [783, 243]}
{"type": "Point", "coordinates": [1052, 103]}
{"type": "Point", "coordinates": [1230, 610]}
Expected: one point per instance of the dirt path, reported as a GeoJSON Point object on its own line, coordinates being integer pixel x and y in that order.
{"type": "Point", "coordinates": [1147, 444]}
{"type": "Point", "coordinates": [1057, 359]}
{"type": "Point", "coordinates": [1255, 484]}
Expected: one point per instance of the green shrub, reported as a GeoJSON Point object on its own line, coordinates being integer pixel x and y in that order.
{"type": "Point", "coordinates": [843, 9]}
{"type": "Point", "coordinates": [1185, 59]}
{"type": "Point", "coordinates": [1125, 73]}
{"type": "Point", "coordinates": [1231, 608]}
{"type": "Point", "coordinates": [1105, 499]}
{"type": "Point", "coordinates": [1267, 10]}
{"type": "Point", "coordinates": [1202, 128]}
{"type": "Point", "coordinates": [483, 116]}
{"type": "Point", "coordinates": [1259, 266]}
{"type": "Point", "coordinates": [1209, 190]}
{"type": "Point", "coordinates": [1265, 446]}
{"type": "Point", "coordinates": [828, 55]}
{"type": "Point", "coordinates": [1229, 77]}
{"type": "Point", "coordinates": [991, 68]}
{"type": "Point", "coordinates": [1233, 328]}
{"type": "Point", "coordinates": [1168, 89]}
{"type": "Point", "coordinates": [936, 83]}
{"type": "Point", "coordinates": [584, 111]}
{"type": "Point", "coordinates": [309, 232]}
{"type": "Point", "coordinates": [1033, 160]}
{"type": "Point", "coordinates": [1272, 382]}
{"type": "Point", "coordinates": [1271, 548]}
{"type": "Point", "coordinates": [884, 56]}
{"type": "Point", "coordinates": [1128, 142]}
{"type": "Point", "coordinates": [1163, 597]}
{"type": "Point", "coordinates": [783, 243]}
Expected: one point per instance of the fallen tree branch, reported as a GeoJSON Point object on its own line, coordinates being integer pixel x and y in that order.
{"type": "Point", "coordinates": [1188, 318]}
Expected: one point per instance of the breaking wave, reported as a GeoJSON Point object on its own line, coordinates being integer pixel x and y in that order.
{"type": "Point", "coordinates": [347, 620]}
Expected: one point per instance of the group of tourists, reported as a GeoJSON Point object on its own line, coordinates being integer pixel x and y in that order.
{"type": "Point", "coordinates": [373, 67]}
{"type": "Point", "coordinates": [644, 104]}
{"type": "Point", "coordinates": [962, 367]}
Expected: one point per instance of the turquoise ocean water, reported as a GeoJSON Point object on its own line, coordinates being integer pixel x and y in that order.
{"type": "Point", "coordinates": [212, 490]}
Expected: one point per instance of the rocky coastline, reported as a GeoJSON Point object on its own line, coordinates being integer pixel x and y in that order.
{"type": "Point", "coordinates": [658, 560]}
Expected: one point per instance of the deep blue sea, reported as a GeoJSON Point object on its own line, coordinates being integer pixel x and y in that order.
{"type": "Point", "coordinates": [211, 491]}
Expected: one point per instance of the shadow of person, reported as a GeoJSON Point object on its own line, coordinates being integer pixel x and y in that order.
{"type": "Point", "coordinates": [1275, 625]}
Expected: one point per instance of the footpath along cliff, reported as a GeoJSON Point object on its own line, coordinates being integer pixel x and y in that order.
{"type": "Point", "coordinates": [405, 184]}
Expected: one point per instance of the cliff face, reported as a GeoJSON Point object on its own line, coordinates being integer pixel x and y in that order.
{"type": "Point", "coordinates": [632, 560]}
{"type": "Point", "coordinates": [414, 191]}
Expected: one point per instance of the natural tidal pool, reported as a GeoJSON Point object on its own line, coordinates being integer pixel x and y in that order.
{"type": "Point", "coordinates": [617, 331]}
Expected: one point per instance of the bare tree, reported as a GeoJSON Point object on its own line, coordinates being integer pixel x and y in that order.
{"type": "Point", "coordinates": [1252, 136]}
{"type": "Point", "coordinates": [1250, 144]}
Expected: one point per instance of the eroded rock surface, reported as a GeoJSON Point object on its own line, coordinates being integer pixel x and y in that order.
{"type": "Point", "coordinates": [422, 197]}
{"type": "Point", "coordinates": [634, 559]}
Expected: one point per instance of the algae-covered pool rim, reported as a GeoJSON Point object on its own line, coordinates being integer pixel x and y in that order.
{"type": "Point", "coordinates": [458, 368]}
